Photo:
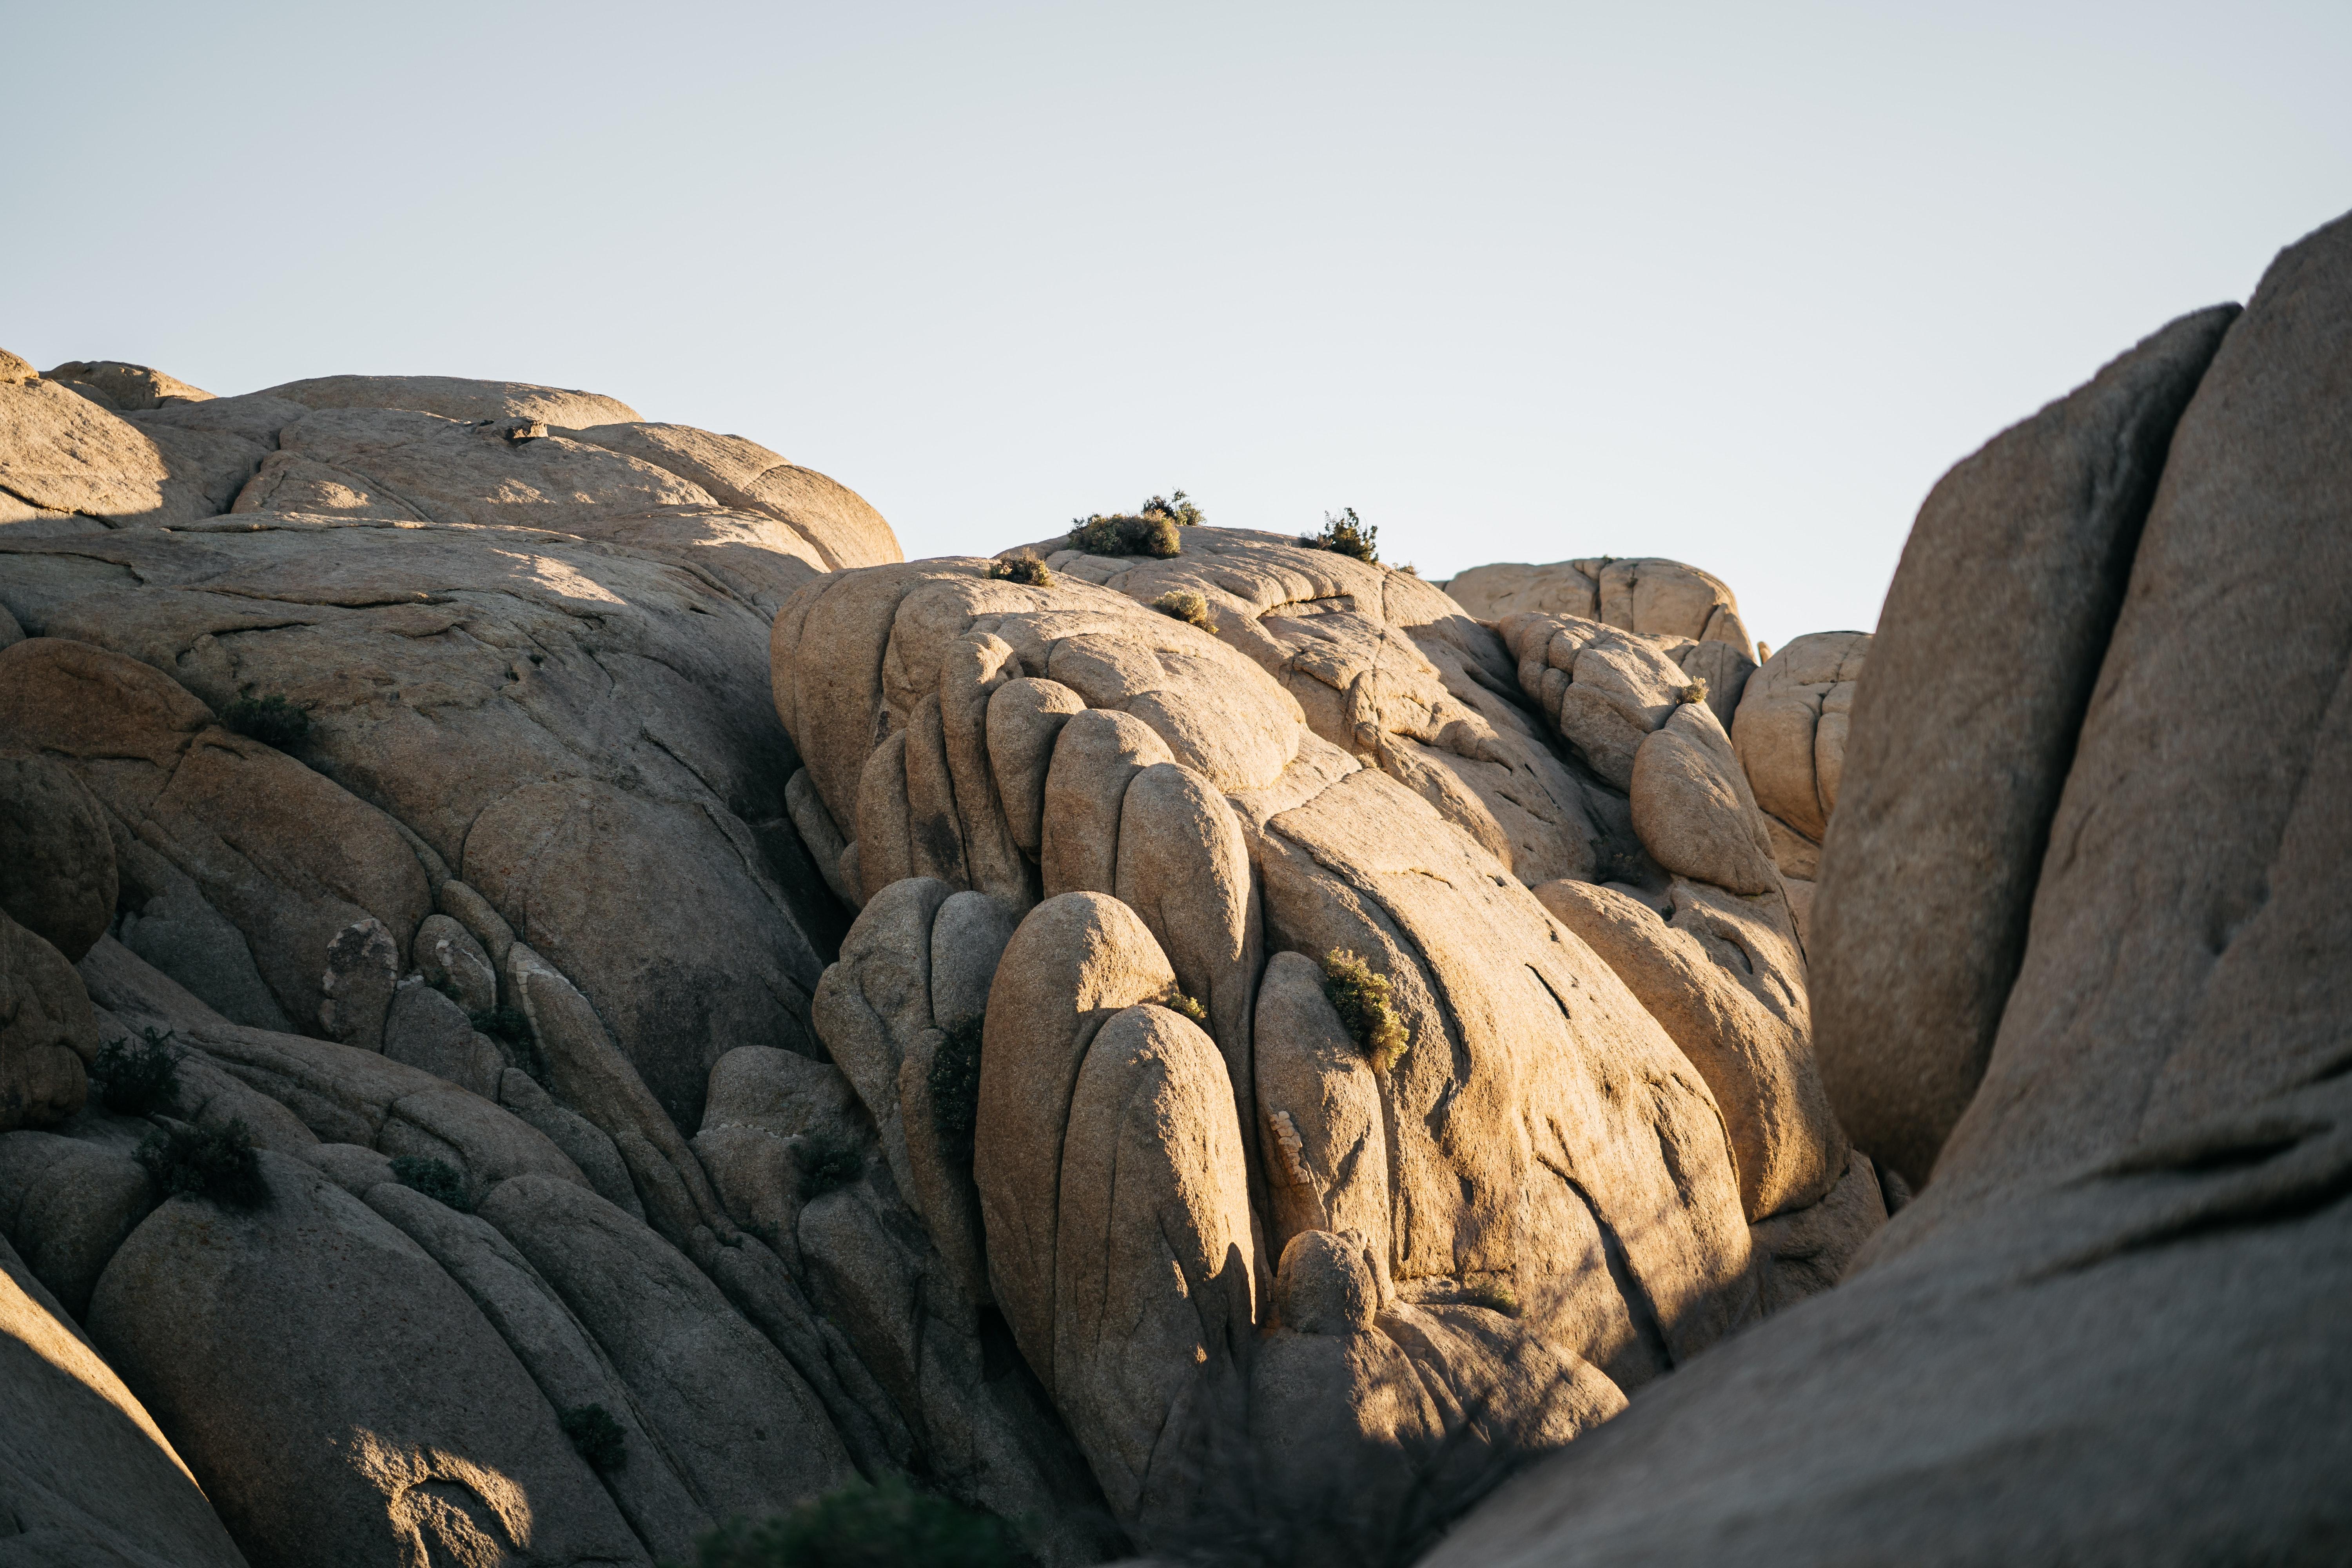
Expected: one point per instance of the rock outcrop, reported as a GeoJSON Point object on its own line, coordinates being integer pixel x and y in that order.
{"type": "Point", "coordinates": [1791, 733]}
{"type": "Point", "coordinates": [2080, 947]}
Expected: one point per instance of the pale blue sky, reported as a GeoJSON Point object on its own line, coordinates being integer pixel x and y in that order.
{"type": "Point", "coordinates": [1732, 283]}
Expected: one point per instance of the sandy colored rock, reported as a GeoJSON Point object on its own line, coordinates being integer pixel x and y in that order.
{"type": "Point", "coordinates": [372, 1416]}
{"type": "Point", "coordinates": [1791, 728]}
{"type": "Point", "coordinates": [736, 1420]}
{"type": "Point", "coordinates": [290, 859]}
{"type": "Point", "coordinates": [429, 1031]}
{"type": "Point", "coordinates": [1025, 721]}
{"type": "Point", "coordinates": [455, 397]}
{"type": "Point", "coordinates": [765, 1105]}
{"type": "Point", "coordinates": [1075, 962]}
{"type": "Point", "coordinates": [47, 1033]}
{"type": "Point", "coordinates": [86, 1475]}
{"type": "Point", "coordinates": [66, 1205]}
{"type": "Point", "coordinates": [1321, 1139]}
{"type": "Point", "coordinates": [570, 1369]}
{"type": "Point", "coordinates": [1153, 1292]}
{"type": "Point", "coordinates": [1959, 763]}
{"type": "Point", "coordinates": [67, 464]}
{"type": "Point", "coordinates": [56, 860]}
{"type": "Point", "coordinates": [128, 386]}
{"type": "Point", "coordinates": [1692, 806]}
{"type": "Point", "coordinates": [1391, 670]}
{"type": "Point", "coordinates": [836, 520]}
{"type": "Point", "coordinates": [448, 955]}
{"type": "Point", "coordinates": [1728, 987]}
{"type": "Point", "coordinates": [1653, 596]}
{"type": "Point", "coordinates": [1805, 1251]}
{"type": "Point", "coordinates": [872, 1005]}
{"type": "Point", "coordinates": [1096, 755]}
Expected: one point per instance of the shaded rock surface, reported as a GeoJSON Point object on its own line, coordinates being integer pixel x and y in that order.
{"type": "Point", "coordinates": [2108, 1328]}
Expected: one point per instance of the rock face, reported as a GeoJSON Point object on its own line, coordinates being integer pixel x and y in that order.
{"type": "Point", "coordinates": [1656, 597]}
{"type": "Point", "coordinates": [1791, 733]}
{"type": "Point", "coordinates": [2122, 1286]}
{"type": "Point", "coordinates": [1184, 822]}
{"type": "Point", "coordinates": [85, 1476]}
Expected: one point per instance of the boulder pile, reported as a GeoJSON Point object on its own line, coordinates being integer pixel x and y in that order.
{"type": "Point", "coordinates": [555, 993]}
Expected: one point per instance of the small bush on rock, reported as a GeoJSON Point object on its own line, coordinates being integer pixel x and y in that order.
{"type": "Point", "coordinates": [955, 1087]}
{"type": "Point", "coordinates": [436, 1179]}
{"type": "Point", "coordinates": [1493, 1298]}
{"type": "Point", "coordinates": [1697, 691]}
{"type": "Point", "coordinates": [212, 1162]}
{"type": "Point", "coordinates": [829, 1159]}
{"type": "Point", "coordinates": [1177, 1002]}
{"type": "Point", "coordinates": [138, 1077]}
{"type": "Point", "coordinates": [597, 1436]}
{"type": "Point", "coordinates": [1127, 534]}
{"type": "Point", "coordinates": [271, 719]}
{"type": "Point", "coordinates": [1184, 605]}
{"type": "Point", "coordinates": [1177, 508]}
{"type": "Point", "coordinates": [890, 1525]}
{"type": "Point", "coordinates": [1025, 569]}
{"type": "Point", "coordinates": [1361, 999]}
{"type": "Point", "coordinates": [1345, 534]}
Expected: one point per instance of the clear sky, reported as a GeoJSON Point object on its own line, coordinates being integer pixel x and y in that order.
{"type": "Point", "coordinates": [1732, 283]}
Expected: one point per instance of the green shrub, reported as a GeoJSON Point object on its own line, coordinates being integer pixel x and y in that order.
{"type": "Point", "coordinates": [1493, 1298]}
{"type": "Point", "coordinates": [1184, 605]}
{"type": "Point", "coordinates": [436, 1179]}
{"type": "Point", "coordinates": [1026, 569]}
{"type": "Point", "coordinates": [1127, 534]}
{"type": "Point", "coordinates": [1697, 691]}
{"type": "Point", "coordinates": [829, 1159]}
{"type": "Point", "coordinates": [138, 1077]}
{"type": "Point", "coordinates": [1361, 999]}
{"type": "Point", "coordinates": [1345, 534]}
{"type": "Point", "coordinates": [955, 1086]}
{"type": "Point", "coordinates": [212, 1162]}
{"type": "Point", "coordinates": [1176, 509]}
{"type": "Point", "coordinates": [597, 1436]}
{"type": "Point", "coordinates": [890, 1525]}
{"type": "Point", "coordinates": [1177, 1002]}
{"type": "Point", "coordinates": [271, 719]}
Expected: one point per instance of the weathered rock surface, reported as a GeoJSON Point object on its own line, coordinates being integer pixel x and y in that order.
{"type": "Point", "coordinates": [66, 1205]}
{"type": "Point", "coordinates": [1790, 734]}
{"type": "Point", "coordinates": [85, 1476]}
{"type": "Point", "coordinates": [370, 1415]}
{"type": "Point", "coordinates": [56, 861]}
{"type": "Point", "coordinates": [1656, 597]}
{"type": "Point", "coordinates": [47, 1032]}
{"type": "Point", "coordinates": [1957, 779]}
{"type": "Point", "coordinates": [454, 397]}
{"type": "Point", "coordinates": [2109, 1328]}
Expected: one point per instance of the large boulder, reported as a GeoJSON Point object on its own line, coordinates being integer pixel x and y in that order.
{"type": "Point", "coordinates": [371, 1416]}
{"type": "Point", "coordinates": [2110, 1327]}
{"type": "Point", "coordinates": [57, 859]}
{"type": "Point", "coordinates": [85, 1475]}
{"type": "Point", "coordinates": [47, 1032]}
{"type": "Point", "coordinates": [2021, 556]}
{"type": "Point", "coordinates": [1791, 733]}
{"type": "Point", "coordinates": [1656, 597]}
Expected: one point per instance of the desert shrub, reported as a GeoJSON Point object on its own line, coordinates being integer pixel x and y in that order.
{"type": "Point", "coordinates": [447, 987]}
{"type": "Point", "coordinates": [436, 1179]}
{"type": "Point", "coordinates": [213, 1162]}
{"type": "Point", "coordinates": [138, 1077]}
{"type": "Point", "coordinates": [1493, 1298]}
{"type": "Point", "coordinates": [1127, 534]}
{"type": "Point", "coordinates": [1177, 508]}
{"type": "Point", "coordinates": [1025, 569]}
{"type": "Point", "coordinates": [1697, 691]}
{"type": "Point", "coordinates": [1177, 1002]}
{"type": "Point", "coordinates": [890, 1525]}
{"type": "Point", "coordinates": [1184, 605]}
{"type": "Point", "coordinates": [829, 1159]}
{"type": "Point", "coordinates": [955, 1086]}
{"type": "Point", "coordinates": [1345, 534]}
{"type": "Point", "coordinates": [270, 719]}
{"type": "Point", "coordinates": [1361, 999]}
{"type": "Point", "coordinates": [597, 1436]}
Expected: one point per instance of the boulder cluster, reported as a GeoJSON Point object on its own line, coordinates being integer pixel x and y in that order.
{"type": "Point", "coordinates": [556, 993]}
